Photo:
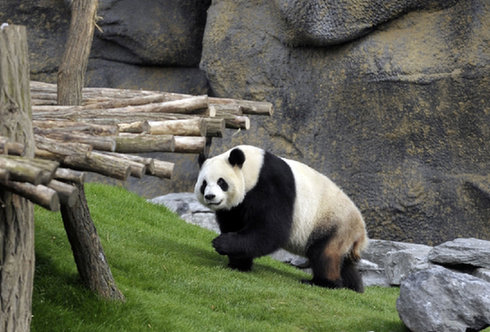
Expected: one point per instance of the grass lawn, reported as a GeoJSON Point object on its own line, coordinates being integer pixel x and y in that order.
{"type": "Point", "coordinates": [173, 280]}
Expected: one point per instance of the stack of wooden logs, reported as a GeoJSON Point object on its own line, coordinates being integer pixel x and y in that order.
{"type": "Point", "coordinates": [106, 132]}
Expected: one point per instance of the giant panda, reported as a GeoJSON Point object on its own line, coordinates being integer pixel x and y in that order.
{"type": "Point", "coordinates": [263, 202]}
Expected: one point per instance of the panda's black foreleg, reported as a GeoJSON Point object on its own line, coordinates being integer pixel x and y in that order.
{"type": "Point", "coordinates": [240, 263]}
{"type": "Point", "coordinates": [245, 244]}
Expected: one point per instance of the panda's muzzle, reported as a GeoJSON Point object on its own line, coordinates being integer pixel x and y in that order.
{"type": "Point", "coordinates": [209, 199]}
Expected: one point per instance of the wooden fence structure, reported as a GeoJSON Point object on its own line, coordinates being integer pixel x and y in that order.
{"type": "Point", "coordinates": [104, 135]}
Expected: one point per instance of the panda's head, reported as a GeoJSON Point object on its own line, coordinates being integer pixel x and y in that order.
{"type": "Point", "coordinates": [224, 180]}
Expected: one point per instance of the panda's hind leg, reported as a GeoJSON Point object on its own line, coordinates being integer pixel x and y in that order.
{"type": "Point", "coordinates": [325, 260]}
{"type": "Point", "coordinates": [351, 277]}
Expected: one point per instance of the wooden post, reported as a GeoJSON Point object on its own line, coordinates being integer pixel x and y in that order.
{"type": "Point", "coordinates": [87, 250]}
{"type": "Point", "coordinates": [71, 72]}
{"type": "Point", "coordinates": [16, 213]}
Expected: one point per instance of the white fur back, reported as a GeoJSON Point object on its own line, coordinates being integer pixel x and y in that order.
{"type": "Point", "coordinates": [317, 199]}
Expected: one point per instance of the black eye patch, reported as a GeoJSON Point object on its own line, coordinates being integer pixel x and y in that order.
{"type": "Point", "coordinates": [203, 186]}
{"type": "Point", "coordinates": [223, 185]}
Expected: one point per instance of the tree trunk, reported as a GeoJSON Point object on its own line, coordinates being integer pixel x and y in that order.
{"type": "Point", "coordinates": [87, 249]}
{"type": "Point", "coordinates": [16, 213]}
{"type": "Point", "coordinates": [71, 74]}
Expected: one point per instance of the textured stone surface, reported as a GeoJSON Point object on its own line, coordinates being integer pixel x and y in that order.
{"type": "Point", "coordinates": [438, 299]}
{"type": "Point", "coordinates": [317, 22]}
{"type": "Point", "coordinates": [399, 264]}
{"type": "Point", "coordinates": [143, 44]}
{"type": "Point", "coordinates": [396, 116]}
{"type": "Point", "coordinates": [473, 252]}
{"type": "Point", "coordinates": [372, 274]}
{"type": "Point", "coordinates": [149, 32]}
{"type": "Point", "coordinates": [378, 250]}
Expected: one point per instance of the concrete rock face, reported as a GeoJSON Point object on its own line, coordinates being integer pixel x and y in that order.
{"type": "Point", "coordinates": [394, 112]}
{"type": "Point", "coordinates": [154, 45]}
{"type": "Point", "coordinates": [149, 44]}
{"type": "Point", "coordinates": [438, 299]}
{"type": "Point", "coordinates": [323, 23]}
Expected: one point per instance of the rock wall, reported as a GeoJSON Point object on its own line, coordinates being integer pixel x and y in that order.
{"type": "Point", "coordinates": [390, 99]}
{"type": "Point", "coordinates": [144, 44]}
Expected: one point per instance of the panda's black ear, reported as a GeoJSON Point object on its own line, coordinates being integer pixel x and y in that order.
{"type": "Point", "coordinates": [201, 159]}
{"type": "Point", "coordinates": [236, 158]}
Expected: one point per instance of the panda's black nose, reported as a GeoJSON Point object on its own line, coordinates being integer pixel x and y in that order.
{"type": "Point", "coordinates": [209, 197]}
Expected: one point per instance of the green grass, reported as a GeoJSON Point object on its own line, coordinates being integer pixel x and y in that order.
{"type": "Point", "coordinates": [174, 281]}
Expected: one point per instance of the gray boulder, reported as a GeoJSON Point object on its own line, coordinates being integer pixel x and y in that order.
{"type": "Point", "coordinates": [438, 299]}
{"type": "Point", "coordinates": [462, 251]}
{"type": "Point", "coordinates": [189, 209]}
{"type": "Point", "coordinates": [399, 264]}
{"type": "Point", "coordinates": [390, 261]}
{"type": "Point", "coordinates": [377, 250]}
{"type": "Point", "coordinates": [372, 274]}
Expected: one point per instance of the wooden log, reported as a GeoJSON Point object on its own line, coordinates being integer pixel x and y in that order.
{"type": "Point", "coordinates": [227, 109]}
{"type": "Point", "coordinates": [190, 144]}
{"type": "Point", "coordinates": [191, 105]}
{"type": "Point", "coordinates": [43, 94]}
{"type": "Point", "coordinates": [38, 194]}
{"type": "Point", "coordinates": [163, 169]}
{"type": "Point", "coordinates": [237, 122]}
{"type": "Point", "coordinates": [71, 72]}
{"type": "Point", "coordinates": [185, 127]}
{"type": "Point", "coordinates": [103, 143]}
{"type": "Point", "coordinates": [35, 102]}
{"type": "Point", "coordinates": [46, 127]}
{"type": "Point", "coordinates": [61, 149]}
{"type": "Point", "coordinates": [9, 147]}
{"type": "Point", "coordinates": [4, 175]}
{"type": "Point", "coordinates": [110, 118]}
{"type": "Point", "coordinates": [48, 167]}
{"type": "Point", "coordinates": [132, 101]}
{"type": "Point", "coordinates": [16, 149]}
{"type": "Point", "coordinates": [136, 127]}
{"type": "Point", "coordinates": [99, 163]}
{"type": "Point", "coordinates": [130, 143]}
{"type": "Point", "coordinates": [22, 171]}
{"type": "Point", "coordinates": [87, 250]}
{"type": "Point", "coordinates": [137, 169]}
{"type": "Point", "coordinates": [215, 127]}
{"type": "Point", "coordinates": [69, 175]}
{"type": "Point", "coordinates": [44, 154]}
{"type": "Point", "coordinates": [67, 193]}
{"type": "Point", "coordinates": [56, 108]}
{"type": "Point", "coordinates": [148, 162]}
{"type": "Point", "coordinates": [248, 106]}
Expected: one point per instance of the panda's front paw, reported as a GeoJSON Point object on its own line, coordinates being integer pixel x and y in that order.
{"type": "Point", "coordinates": [223, 243]}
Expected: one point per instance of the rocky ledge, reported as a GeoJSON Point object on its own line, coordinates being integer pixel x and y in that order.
{"type": "Point", "coordinates": [442, 288]}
